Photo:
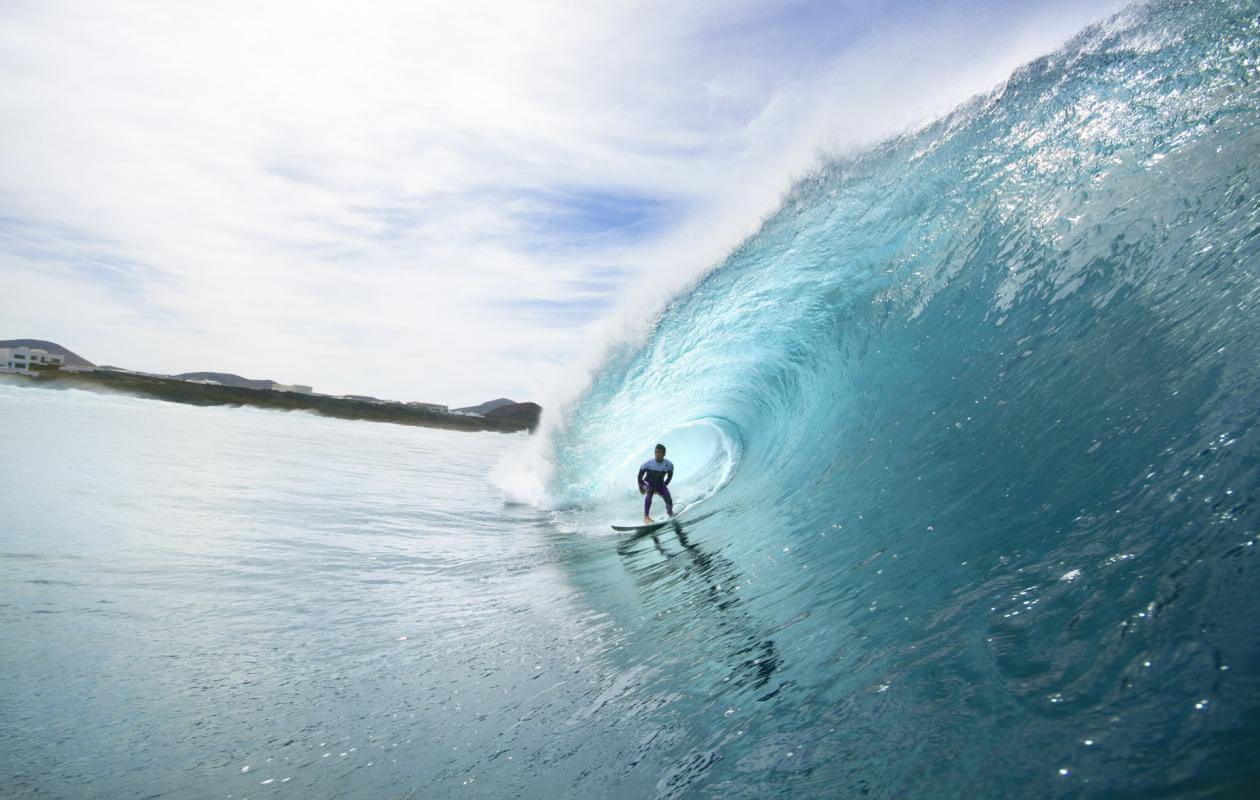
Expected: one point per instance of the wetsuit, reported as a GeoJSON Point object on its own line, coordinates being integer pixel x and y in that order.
{"type": "Point", "coordinates": [654, 476]}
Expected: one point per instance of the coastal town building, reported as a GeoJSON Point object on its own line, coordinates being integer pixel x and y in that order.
{"type": "Point", "coordinates": [28, 361]}
{"type": "Point", "coordinates": [292, 387]}
{"type": "Point", "coordinates": [434, 407]}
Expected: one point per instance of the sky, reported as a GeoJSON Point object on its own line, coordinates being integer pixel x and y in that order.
{"type": "Point", "coordinates": [446, 202]}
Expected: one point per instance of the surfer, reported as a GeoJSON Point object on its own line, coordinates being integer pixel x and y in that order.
{"type": "Point", "coordinates": [654, 478]}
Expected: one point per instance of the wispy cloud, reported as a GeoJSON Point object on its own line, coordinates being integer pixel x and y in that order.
{"type": "Point", "coordinates": [427, 201]}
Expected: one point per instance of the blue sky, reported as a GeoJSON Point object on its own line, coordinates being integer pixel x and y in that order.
{"type": "Point", "coordinates": [446, 202]}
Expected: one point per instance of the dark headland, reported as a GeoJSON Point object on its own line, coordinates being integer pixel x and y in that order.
{"type": "Point", "coordinates": [226, 389]}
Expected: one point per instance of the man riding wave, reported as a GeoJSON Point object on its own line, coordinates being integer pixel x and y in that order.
{"type": "Point", "coordinates": [654, 478]}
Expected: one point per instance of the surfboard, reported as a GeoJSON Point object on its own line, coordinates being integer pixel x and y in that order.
{"type": "Point", "coordinates": [693, 515]}
{"type": "Point", "coordinates": [645, 528]}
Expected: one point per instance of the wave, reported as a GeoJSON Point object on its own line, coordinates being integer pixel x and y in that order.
{"type": "Point", "coordinates": [971, 377]}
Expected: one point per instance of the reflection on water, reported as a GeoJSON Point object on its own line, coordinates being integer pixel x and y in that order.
{"type": "Point", "coordinates": [729, 633]}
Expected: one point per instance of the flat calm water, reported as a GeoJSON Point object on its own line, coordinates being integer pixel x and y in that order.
{"type": "Point", "coordinates": [233, 603]}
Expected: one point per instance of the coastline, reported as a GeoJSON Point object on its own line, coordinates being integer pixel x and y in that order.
{"type": "Point", "coordinates": [201, 394]}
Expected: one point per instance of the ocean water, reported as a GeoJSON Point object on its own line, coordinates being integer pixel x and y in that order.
{"type": "Point", "coordinates": [967, 440]}
{"type": "Point", "coordinates": [972, 420]}
{"type": "Point", "coordinates": [238, 603]}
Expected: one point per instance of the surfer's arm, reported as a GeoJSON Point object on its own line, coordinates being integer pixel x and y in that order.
{"type": "Point", "coordinates": [642, 475]}
{"type": "Point", "coordinates": [669, 476]}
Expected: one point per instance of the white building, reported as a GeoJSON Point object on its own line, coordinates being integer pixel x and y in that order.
{"type": "Point", "coordinates": [429, 407]}
{"type": "Point", "coordinates": [297, 388]}
{"type": "Point", "coordinates": [28, 361]}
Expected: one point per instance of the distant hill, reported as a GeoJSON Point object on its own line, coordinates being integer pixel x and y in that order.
{"type": "Point", "coordinates": [488, 406]}
{"type": "Point", "coordinates": [500, 409]}
{"type": "Point", "coordinates": [176, 390]}
{"type": "Point", "coordinates": [227, 379]}
{"type": "Point", "coordinates": [72, 359]}
{"type": "Point", "coordinates": [526, 414]}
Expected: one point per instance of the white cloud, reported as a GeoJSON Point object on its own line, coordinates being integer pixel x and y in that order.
{"type": "Point", "coordinates": [420, 200]}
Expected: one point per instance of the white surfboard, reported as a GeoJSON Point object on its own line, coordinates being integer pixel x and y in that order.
{"type": "Point", "coordinates": [641, 528]}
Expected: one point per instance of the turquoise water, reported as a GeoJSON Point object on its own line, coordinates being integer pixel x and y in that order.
{"type": "Point", "coordinates": [968, 432]}
{"type": "Point", "coordinates": [980, 407]}
{"type": "Point", "coordinates": [226, 602]}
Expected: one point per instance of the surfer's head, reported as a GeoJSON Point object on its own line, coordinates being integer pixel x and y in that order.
{"type": "Point", "coordinates": [660, 452]}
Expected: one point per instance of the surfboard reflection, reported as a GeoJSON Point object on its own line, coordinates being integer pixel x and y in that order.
{"type": "Point", "coordinates": [715, 580]}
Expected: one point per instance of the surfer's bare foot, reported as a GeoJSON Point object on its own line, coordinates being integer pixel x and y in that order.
{"type": "Point", "coordinates": [648, 520]}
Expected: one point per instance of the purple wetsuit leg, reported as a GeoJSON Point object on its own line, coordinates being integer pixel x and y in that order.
{"type": "Point", "coordinates": [652, 491]}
